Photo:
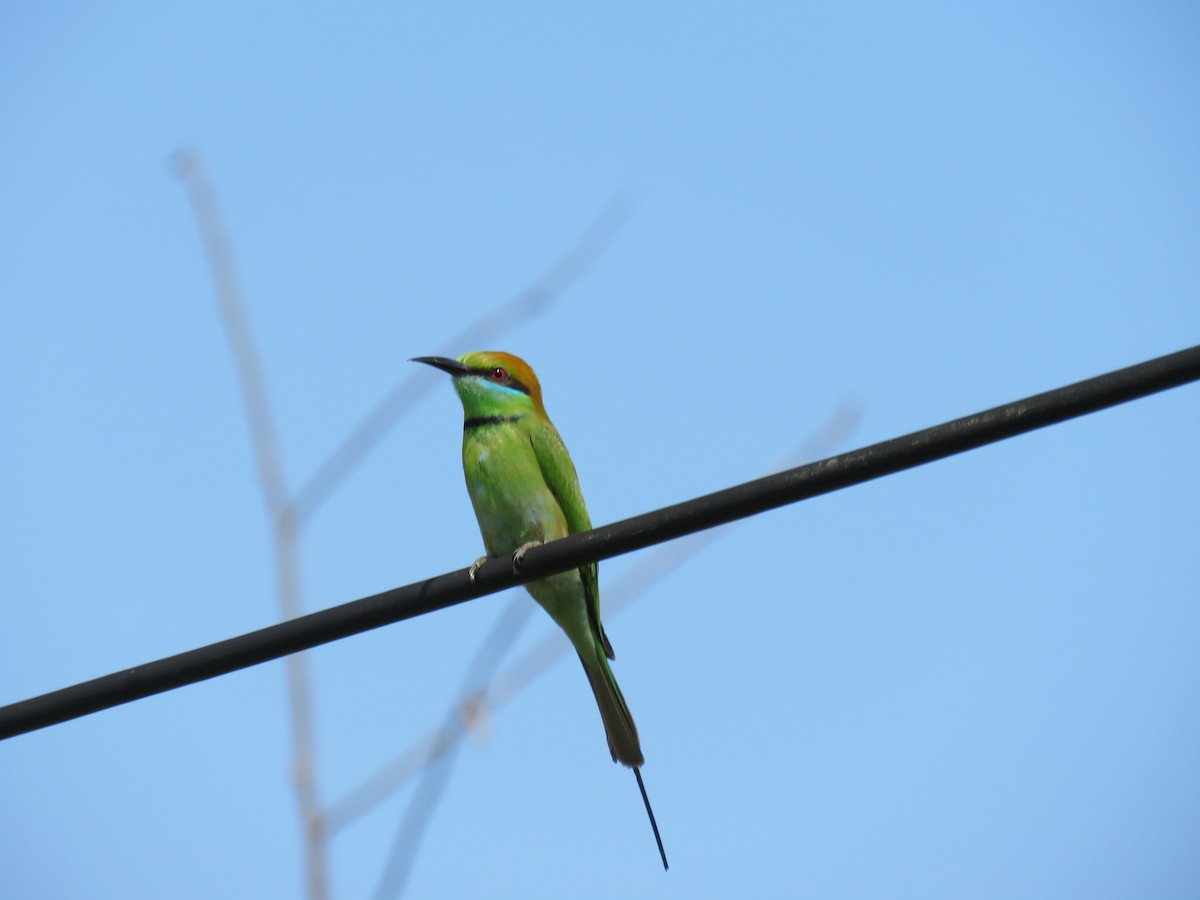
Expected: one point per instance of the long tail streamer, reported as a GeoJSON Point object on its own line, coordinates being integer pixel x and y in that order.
{"type": "Point", "coordinates": [650, 813]}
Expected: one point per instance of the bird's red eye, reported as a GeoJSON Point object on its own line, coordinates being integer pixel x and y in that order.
{"type": "Point", "coordinates": [498, 374]}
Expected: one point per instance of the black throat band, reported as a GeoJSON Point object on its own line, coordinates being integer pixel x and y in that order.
{"type": "Point", "coordinates": [471, 424]}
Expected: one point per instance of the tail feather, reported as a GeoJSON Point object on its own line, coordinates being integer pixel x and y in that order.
{"type": "Point", "coordinates": [622, 734]}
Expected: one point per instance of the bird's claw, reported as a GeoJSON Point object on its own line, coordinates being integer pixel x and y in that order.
{"type": "Point", "coordinates": [519, 554]}
{"type": "Point", "coordinates": [475, 568]}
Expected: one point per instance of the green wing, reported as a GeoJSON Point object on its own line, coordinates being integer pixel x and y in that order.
{"type": "Point", "coordinates": [559, 474]}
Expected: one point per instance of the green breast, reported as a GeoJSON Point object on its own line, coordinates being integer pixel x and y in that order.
{"type": "Point", "coordinates": [507, 489]}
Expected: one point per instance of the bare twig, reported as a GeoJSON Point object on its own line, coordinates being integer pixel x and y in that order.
{"type": "Point", "coordinates": [436, 776]}
{"type": "Point", "coordinates": [283, 522]}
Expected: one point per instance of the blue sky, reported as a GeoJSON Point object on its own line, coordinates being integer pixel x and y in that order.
{"type": "Point", "coordinates": [974, 679]}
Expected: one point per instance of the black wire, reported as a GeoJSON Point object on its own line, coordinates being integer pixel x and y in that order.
{"type": "Point", "coordinates": [747, 499]}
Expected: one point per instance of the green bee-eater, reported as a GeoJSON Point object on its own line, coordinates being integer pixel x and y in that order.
{"type": "Point", "coordinates": [525, 492]}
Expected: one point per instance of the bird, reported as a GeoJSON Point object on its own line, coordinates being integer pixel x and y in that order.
{"type": "Point", "coordinates": [525, 492]}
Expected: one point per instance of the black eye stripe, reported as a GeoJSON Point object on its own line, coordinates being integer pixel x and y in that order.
{"type": "Point", "coordinates": [509, 381]}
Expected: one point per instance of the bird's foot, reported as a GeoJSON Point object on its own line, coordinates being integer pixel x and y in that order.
{"type": "Point", "coordinates": [475, 568]}
{"type": "Point", "coordinates": [519, 554]}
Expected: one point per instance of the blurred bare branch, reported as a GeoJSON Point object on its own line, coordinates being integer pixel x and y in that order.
{"type": "Point", "coordinates": [466, 714]}
{"type": "Point", "coordinates": [459, 718]}
{"type": "Point", "coordinates": [237, 329]}
{"type": "Point", "coordinates": [283, 523]}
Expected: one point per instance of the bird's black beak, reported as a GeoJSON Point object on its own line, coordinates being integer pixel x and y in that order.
{"type": "Point", "coordinates": [452, 366]}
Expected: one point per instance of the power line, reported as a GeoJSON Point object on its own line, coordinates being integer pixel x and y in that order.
{"type": "Point", "coordinates": [790, 486]}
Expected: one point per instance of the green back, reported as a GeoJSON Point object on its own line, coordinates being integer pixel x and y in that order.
{"type": "Point", "coordinates": [559, 474]}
